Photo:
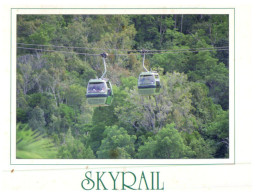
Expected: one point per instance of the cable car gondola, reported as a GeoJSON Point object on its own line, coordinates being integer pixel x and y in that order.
{"type": "Point", "coordinates": [99, 91]}
{"type": "Point", "coordinates": [149, 81]}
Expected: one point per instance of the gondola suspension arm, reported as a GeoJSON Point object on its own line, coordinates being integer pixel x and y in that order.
{"type": "Point", "coordinates": [143, 54]}
{"type": "Point", "coordinates": [104, 56]}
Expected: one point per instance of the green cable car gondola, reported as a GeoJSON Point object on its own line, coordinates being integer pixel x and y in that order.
{"type": "Point", "coordinates": [99, 91]}
{"type": "Point", "coordinates": [149, 81]}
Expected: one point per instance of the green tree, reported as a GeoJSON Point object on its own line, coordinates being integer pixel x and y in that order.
{"type": "Point", "coordinates": [197, 147]}
{"type": "Point", "coordinates": [148, 149]}
{"type": "Point", "coordinates": [116, 144]}
{"type": "Point", "coordinates": [204, 109]}
{"type": "Point", "coordinates": [76, 33]}
{"type": "Point", "coordinates": [37, 119]}
{"type": "Point", "coordinates": [218, 131]}
{"type": "Point", "coordinates": [128, 82]}
{"type": "Point", "coordinates": [166, 144]}
{"type": "Point", "coordinates": [46, 30]}
{"type": "Point", "coordinates": [24, 76]}
{"type": "Point", "coordinates": [44, 101]}
{"type": "Point", "coordinates": [66, 118]}
{"type": "Point", "coordinates": [75, 96]}
{"type": "Point", "coordinates": [206, 69]}
{"type": "Point", "coordinates": [171, 62]}
{"type": "Point", "coordinates": [96, 136]}
{"type": "Point", "coordinates": [22, 115]}
{"type": "Point", "coordinates": [74, 149]}
{"type": "Point", "coordinates": [151, 30]}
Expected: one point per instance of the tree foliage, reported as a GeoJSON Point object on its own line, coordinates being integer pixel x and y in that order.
{"type": "Point", "coordinates": [189, 118]}
{"type": "Point", "coordinates": [116, 144]}
{"type": "Point", "coordinates": [166, 144]}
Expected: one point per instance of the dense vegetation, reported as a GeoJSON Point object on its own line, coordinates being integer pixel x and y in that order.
{"type": "Point", "coordinates": [188, 119]}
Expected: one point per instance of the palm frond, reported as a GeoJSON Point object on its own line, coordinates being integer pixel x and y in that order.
{"type": "Point", "coordinates": [32, 145]}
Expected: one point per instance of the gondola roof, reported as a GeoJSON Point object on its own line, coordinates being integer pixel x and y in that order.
{"type": "Point", "coordinates": [98, 80]}
{"type": "Point", "coordinates": [149, 73]}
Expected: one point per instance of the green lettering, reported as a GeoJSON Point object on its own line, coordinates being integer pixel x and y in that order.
{"type": "Point", "coordinates": [89, 180]}
{"type": "Point", "coordinates": [152, 173]}
{"type": "Point", "coordinates": [143, 177]}
{"type": "Point", "coordinates": [124, 185]}
{"type": "Point", "coordinates": [100, 181]}
{"type": "Point", "coordinates": [157, 173]}
{"type": "Point", "coordinates": [114, 179]}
